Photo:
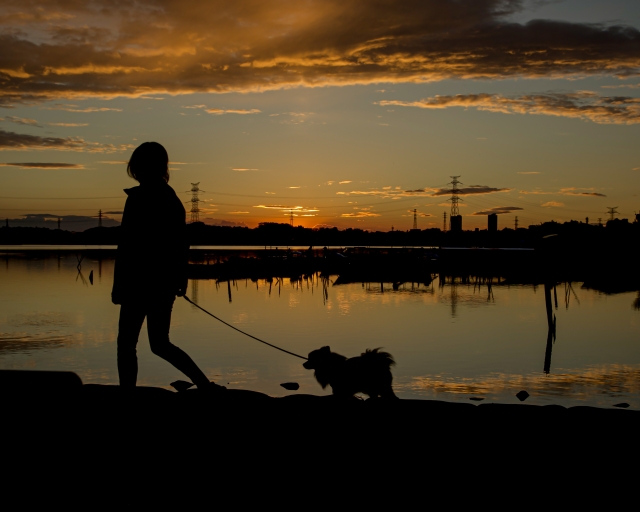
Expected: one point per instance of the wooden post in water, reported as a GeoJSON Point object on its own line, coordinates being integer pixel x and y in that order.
{"type": "Point", "coordinates": [551, 324]}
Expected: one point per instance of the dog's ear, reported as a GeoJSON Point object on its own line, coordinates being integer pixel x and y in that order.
{"type": "Point", "coordinates": [325, 350]}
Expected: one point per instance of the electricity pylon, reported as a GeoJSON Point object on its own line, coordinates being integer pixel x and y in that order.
{"type": "Point", "coordinates": [454, 198]}
{"type": "Point", "coordinates": [195, 200]}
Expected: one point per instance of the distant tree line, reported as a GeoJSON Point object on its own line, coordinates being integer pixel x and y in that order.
{"type": "Point", "coordinates": [619, 233]}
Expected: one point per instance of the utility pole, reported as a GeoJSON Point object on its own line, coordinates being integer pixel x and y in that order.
{"type": "Point", "coordinates": [586, 220]}
{"type": "Point", "coordinates": [100, 218]}
{"type": "Point", "coordinates": [444, 224]}
{"type": "Point", "coordinates": [612, 212]}
{"type": "Point", "coordinates": [415, 219]}
{"type": "Point", "coordinates": [516, 223]}
{"type": "Point", "coordinates": [599, 221]}
{"type": "Point", "coordinates": [58, 222]}
{"type": "Point", "coordinates": [291, 217]}
{"type": "Point", "coordinates": [195, 200]}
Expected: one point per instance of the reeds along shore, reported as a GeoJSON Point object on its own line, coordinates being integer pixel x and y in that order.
{"type": "Point", "coordinates": [552, 262]}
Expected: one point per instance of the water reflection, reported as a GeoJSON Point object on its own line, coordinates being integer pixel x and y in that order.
{"type": "Point", "coordinates": [452, 336]}
{"type": "Point", "coordinates": [22, 342]}
{"type": "Point", "coordinates": [613, 381]}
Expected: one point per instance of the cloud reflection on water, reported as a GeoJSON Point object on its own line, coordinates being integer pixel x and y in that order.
{"type": "Point", "coordinates": [20, 342]}
{"type": "Point", "coordinates": [580, 384]}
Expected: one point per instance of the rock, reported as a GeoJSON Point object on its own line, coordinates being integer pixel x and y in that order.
{"type": "Point", "coordinates": [181, 385]}
{"type": "Point", "coordinates": [623, 405]}
{"type": "Point", "coordinates": [522, 395]}
{"type": "Point", "coordinates": [476, 398]}
{"type": "Point", "coordinates": [291, 386]}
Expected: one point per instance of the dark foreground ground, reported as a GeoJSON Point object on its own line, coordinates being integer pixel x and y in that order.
{"type": "Point", "coordinates": [94, 447]}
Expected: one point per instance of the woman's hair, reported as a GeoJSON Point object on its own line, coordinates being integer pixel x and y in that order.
{"type": "Point", "coordinates": [149, 162]}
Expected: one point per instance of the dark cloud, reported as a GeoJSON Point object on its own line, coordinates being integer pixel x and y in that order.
{"type": "Point", "coordinates": [222, 222]}
{"type": "Point", "coordinates": [67, 222]}
{"type": "Point", "coordinates": [582, 105]}
{"type": "Point", "coordinates": [567, 191]}
{"type": "Point", "coordinates": [103, 49]}
{"type": "Point", "coordinates": [574, 191]}
{"type": "Point", "coordinates": [472, 190]}
{"type": "Point", "coordinates": [499, 210]}
{"type": "Point", "coordinates": [22, 141]}
{"type": "Point", "coordinates": [396, 193]}
{"type": "Point", "coordinates": [41, 165]}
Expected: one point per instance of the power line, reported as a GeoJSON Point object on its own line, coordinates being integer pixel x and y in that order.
{"type": "Point", "coordinates": [612, 212]}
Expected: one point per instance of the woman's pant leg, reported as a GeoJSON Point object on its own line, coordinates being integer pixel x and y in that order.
{"type": "Point", "coordinates": [129, 325]}
{"type": "Point", "coordinates": [158, 324]}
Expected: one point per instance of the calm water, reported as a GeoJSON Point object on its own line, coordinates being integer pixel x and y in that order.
{"type": "Point", "coordinates": [450, 342]}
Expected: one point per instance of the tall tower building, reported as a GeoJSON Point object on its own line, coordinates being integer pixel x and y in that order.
{"type": "Point", "coordinates": [492, 225]}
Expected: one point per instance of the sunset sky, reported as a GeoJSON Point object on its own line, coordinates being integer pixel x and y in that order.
{"type": "Point", "coordinates": [351, 112]}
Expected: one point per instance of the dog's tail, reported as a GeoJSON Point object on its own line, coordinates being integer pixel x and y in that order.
{"type": "Point", "coordinates": [378, 357]}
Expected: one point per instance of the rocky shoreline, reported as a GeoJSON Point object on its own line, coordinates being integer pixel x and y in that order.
{"type": "Point", "coordinates": [152, 446]}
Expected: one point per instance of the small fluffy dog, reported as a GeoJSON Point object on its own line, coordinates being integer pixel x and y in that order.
{"type": "Point", "coordinates": [370, 373]}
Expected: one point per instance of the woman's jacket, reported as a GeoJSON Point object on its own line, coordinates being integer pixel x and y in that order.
{"type": "Point", "coordinates": [152, 257]}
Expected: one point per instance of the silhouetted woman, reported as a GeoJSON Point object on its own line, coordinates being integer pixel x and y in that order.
{"type": "Point", "coordinates": [151, 266]}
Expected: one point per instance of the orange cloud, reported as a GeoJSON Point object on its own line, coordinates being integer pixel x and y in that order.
{"type": "Point", "coordinates": [360, 214]}
{"type": "Point", "coordinates": [580, 105]}
{"type": "Point", "coordinates": [220, 111]}
{"type": "Point", "coordinates": [21, 120]}
{"type": "Point", "coordinates": [68, 125]}
{"type": "Point", "coordinates": [91, 49]}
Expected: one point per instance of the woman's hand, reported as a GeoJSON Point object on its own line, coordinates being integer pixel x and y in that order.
{"type": "Point", "coordinates": [182, 288]}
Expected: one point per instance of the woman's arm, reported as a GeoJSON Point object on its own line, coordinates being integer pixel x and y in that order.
{"type": "Point", "coordinates": [123, 256]}
{"type": "Point", "coordinates": [182, 252]}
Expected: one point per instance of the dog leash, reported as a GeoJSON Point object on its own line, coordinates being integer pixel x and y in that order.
{"type": "Point", "coordinates": [245, 333]}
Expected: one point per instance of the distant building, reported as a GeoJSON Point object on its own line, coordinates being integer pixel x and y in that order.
{"type": "Point", "coordinates": [456, 223]}
{"type": "Point", "coordinates": [493, 222]}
